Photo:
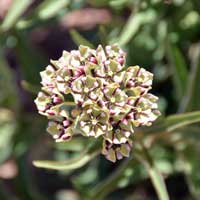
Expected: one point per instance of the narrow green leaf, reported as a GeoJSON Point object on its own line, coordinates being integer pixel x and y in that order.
{"type": "Point", "coordinates": [50, 8]}
{"type": "Point", "coordinates": [46, 10]}
{"type": "Point", "coordinates": [31, 60]}
{"type": "Point", "coordinates": [17, 9]}
{"type": "Point", "coordinates": [8, 89]}
{"type": "Point", "coordinates": [117, 4]}
{"type": "Point", "coordinates": [79, 39]}
{"type": "Point", "coordinates": [179, 70]}
{"type": "Point", "coordinates": [158, 183]}
{"type": "Point", "coordinates": [135, 21]}
{"type": "Point", "coordinates": [7, 130]}
{"type": "Point", "coordinates": [70, 164]}
{"type": "Point", "coordinates": [98, 3]}
{"type": "Point", "coordinates": [191, 99]}
{"type": "Point", "coordinates": [29, 87]}
{"type": "Point", "coordinates": [76, 163]}
{"type": "Point", "coordinates": [156, 178]}
{"type": "Point", "coordinates": [172, 123]}
{"type": "Point", "coordinates": [190, 133]}
{"type": "Point", "coordinates": [176, 121]}
{"type": "Point", "coordinates": [191, 164]}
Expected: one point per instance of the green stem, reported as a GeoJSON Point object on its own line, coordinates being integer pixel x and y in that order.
{"type": "Point", "coordinates": [69, 103]}
{"type": "Point", "coordinates": [158, 183]}
{"type": "Point", "coordinates": [154, 174]}
{"type": "Point", "coordinates": [102, 189]}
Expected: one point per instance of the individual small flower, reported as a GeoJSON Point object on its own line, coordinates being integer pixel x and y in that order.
{"type": "Point", "coordinates": [86, 89]}
{"type": "Point", "coordinates": [111, 70]}
{"type": "Point", "coordinates": [118, 135]}
{"type": "Point", "coordinates": [46, 103]}
{"type": "Point", "coordinates": [61, 129]}
{"type": "Point", "coordinates": [65, 77]}
{"type": "Point", "coordinates": [115, 152]}
{"type": "Point", "coordinates": [138, 79]}
{"type": "Point", "coordinates": [48, 76]}
{"type": "Point", "coordinates": [144, 110]}
{"type": "Point", "coordinates": [86, 54]}
{"type": "Point", "coordinates": [116, 53]}
{"type": "Point", "coordinates": [94, 122]}
{"type": "Point", "coordinates": [114, 98]}
{"type": "Point", "coordinates": [63, 61]}
{"type": "Point", "coordinates": [107, 64]}
{"type": "Point", "coordinates": [147, 110]}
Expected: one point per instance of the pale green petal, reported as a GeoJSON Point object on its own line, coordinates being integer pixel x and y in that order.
{"type": "Point", "coordinates": [111, 155]}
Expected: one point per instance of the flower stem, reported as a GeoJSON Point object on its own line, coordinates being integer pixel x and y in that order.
{"type": "Point", "coordinates": [154, 174]}
{"type": "Point", "coordinates": [107, 186]}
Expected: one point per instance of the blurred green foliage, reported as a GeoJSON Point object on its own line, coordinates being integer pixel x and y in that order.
{"type": "Point", "coordinates": [162, 36]}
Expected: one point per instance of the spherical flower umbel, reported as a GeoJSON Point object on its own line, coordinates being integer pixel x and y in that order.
{"type": "Point", "coordinates": [91, 92]}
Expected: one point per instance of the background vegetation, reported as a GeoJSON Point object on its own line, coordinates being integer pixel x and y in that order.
{"type": "Point", "coordinates": [162, 36]}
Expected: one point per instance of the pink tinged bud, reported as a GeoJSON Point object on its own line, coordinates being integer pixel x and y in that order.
{"type": "Point", "coordinates": [119, 155]}
{"type": "Point", "coordinates": [130, 102]}
{"type": "Point", "coordinates": [89, 111]}
{"type": "Point", "coordinates": [78, 73]}
{"type": "Point", "coordinates": [93, 60]}
{"type": "Point", "coordinates": [104, 127]}
{"type": "Point", "coordinates": [41, 94]}
{"type": "Point", "coordinates": [65, 137]}
{"type": "Point", "coordinates": [80, 102]}
{"type": "Point", "coordinates": [101, 103]}
{"type": "Point", "coordinates": [82, 123]}
{"type": "Point", "coordinates": [59, 79]}
{"type": "Point", "coordinates": [121, 104]}
{"type": "Point", "coordinates": [127, 133]}
{"type": "Point", "coordinates": [107, 62]}
{"type": "Point", "coordinates": [116, 141]}
{"type": "Point", "coordinates": [50, 112]}
{"type": "Point", "coordinates": [128, 146]}
{"type": "Point", "coordinates": [112, 112]}
{"type": "Point", "coordinates": [117, 91]}
{"type": "Point", "coordinates": [125, 121]}
{"type": "Point", "coordinates": [105, 90]}
{"type": "Point", "coordinates": [130, 84]}
{"type": "Point", "coordinates": [120, 61]}
{"type": "Point", "coordinates": [96, 84]}
{"type": "Point", "coordinates": [82, 67]}
{"type": "Point", "coordinates": [66, 123]}
{"type": "Point", "coordinates": [57, 100]}
{"type": "Point", "coordinates": [65, 68]}
{"type": "Point", "coordinates": [50, 68]}
{"type": "Point", "coordinates": [129, 116]}
{"type": "Point", "coordinates": [91, 133]}
{"type": "Point", "coordinates": [93, 96]}
{"type": "Point", "coordinates": [56, 136]}
{"type": "Point", "coordinates": [41, 110]}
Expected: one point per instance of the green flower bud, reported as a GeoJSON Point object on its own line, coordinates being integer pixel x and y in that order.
{"type": "Point", "coordinates": [115, 152]}
{"type": "Point", "coordinates": [60, 131]}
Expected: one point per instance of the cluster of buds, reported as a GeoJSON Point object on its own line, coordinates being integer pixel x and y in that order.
{"type": "Point", "coordinates": [91, 92]}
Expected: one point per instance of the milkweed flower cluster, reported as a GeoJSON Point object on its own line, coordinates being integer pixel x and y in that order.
{"type": "Point", "coordinates": [107, 99]}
